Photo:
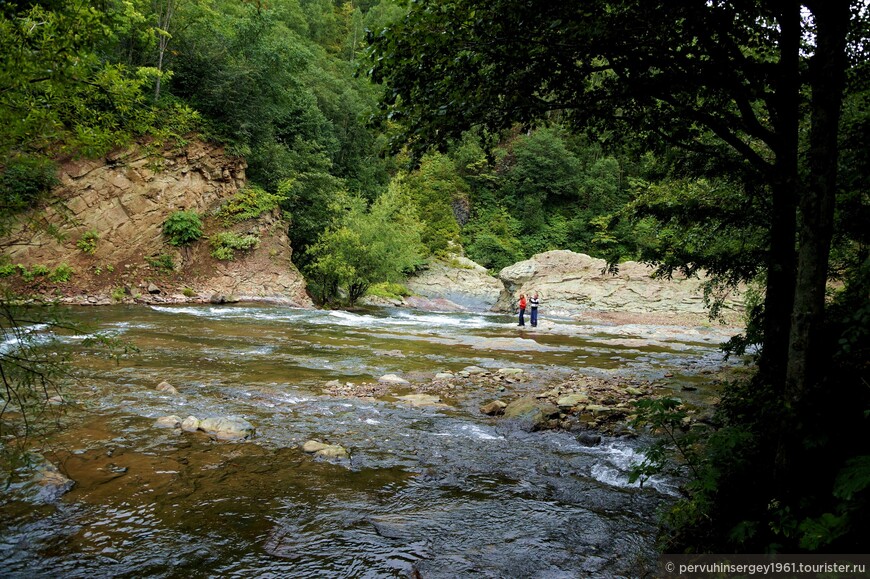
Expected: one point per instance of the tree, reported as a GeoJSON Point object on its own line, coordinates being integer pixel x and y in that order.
{"type": "Point", "coordinates": [367, 246]}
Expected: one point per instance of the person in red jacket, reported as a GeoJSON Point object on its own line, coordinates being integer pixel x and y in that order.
{"type": "Point", "coordinates": [522, 306]}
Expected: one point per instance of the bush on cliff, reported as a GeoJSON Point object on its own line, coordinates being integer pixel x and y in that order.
{"type": "Point", "coordinates": [182, 227]}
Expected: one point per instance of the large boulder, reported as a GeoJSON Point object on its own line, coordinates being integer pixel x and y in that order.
{"type": "Point", "coordinates": [227, 427]}
{"type": "Point", "coordinates": [458, 280]}
{"type": "Point", "coordinates": [570, 283]}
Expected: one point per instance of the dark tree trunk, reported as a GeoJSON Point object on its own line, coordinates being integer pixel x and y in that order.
{"type": "Point", "coordinates": [827, 81]}
{"type": "Point", "coordinates": [781, 261]}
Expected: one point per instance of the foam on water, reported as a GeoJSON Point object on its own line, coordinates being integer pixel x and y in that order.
{"type": "Point", "coordinates": [13, 340]}
{"type": "Point", "coordinates": [616, 459]}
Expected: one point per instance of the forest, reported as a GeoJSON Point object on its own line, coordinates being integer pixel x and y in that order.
{"type": "Point", "coordinates": [721, 137]}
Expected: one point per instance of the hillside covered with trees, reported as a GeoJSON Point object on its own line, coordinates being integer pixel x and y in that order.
{"type": "Point", "coordinates": [728, 137]}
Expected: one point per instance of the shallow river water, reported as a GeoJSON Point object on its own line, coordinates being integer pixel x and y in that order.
{"type": "Point", "coordinates": [427, 491]}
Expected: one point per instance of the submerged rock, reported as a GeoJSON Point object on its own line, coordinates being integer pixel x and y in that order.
{"type": "Point", "coordinates": [190, 424]}
{"type": "Point", "coordinates": [166, 387]}
{"type": "Point", "coordinates": [324, 450]}
{"type": "Point", "coordinates": [421, 400]}
{"type": "Point", "coordinates": [494, 408]}
{"type": "Point", "coordinates": [227, 427]}
{"type": "Point", "coordinates": [168, 422]}
{"type": "Point", "coordinates": [50, 484]}
{"type": "Point", "coordinates": [587, 439]}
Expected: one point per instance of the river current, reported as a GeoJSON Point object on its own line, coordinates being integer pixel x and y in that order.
{"type": "Point", "coordinates": [430, 492]}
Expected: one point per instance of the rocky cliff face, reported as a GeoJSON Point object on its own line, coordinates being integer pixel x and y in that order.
{"type": "Point", "coordinates": [124, 199]}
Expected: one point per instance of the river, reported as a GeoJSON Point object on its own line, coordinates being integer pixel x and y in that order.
{"type": "Point", "coordinates": [441, 491]}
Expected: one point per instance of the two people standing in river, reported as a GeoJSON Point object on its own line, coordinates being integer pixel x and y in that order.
{"type": "Point", "coordinates": [534, 301]}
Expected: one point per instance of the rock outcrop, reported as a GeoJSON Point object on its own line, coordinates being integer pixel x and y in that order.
{"type": "Point", "coordinates": [122, 202]}
{"type": "Point", "coordinates": [570, 283]}
{"type": "Point", "coordinates": [460, 281]}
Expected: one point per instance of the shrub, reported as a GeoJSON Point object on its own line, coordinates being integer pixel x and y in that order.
{"type": "Point", "coordinates": [163, 262]}
{"type": "Point", "coordinates": [188, 292]}
{"type": "Point", "coordinates": [24, 180]}
{"type": "Point", "coordinates": [61, 273]}
{"type": "Point", "coordinates": [118, 294]}
{"type": "Point", "coordinates": [34, 272]}
{"type": "Point", "coordinates": [249, 203]}
{"type": "Point", "coordinates": [182, 227]}
{"type": "Point", "coordinates": [389, 290]}
{"type": "Point", "coordinates": [87, 243]}
{"type": "Point", "coordinates": [9, 269]}
{"type": "Point", "coordinates": [226, 243]}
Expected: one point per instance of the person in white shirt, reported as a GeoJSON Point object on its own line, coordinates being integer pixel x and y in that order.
{"type": "Point", "coordinates": [534, 302]}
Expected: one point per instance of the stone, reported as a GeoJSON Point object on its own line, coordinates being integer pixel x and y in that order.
{"type": "Point", "coordinates": [153, 289]}
{"type": "Point", "coordinates": [459, 281]}
{"type": "Point", "coordinates": [494, 408]}
{"type": "Point", "coordinates": [444, 375]}
{"type": "Point", "coordinates": [510, 371]}
{"type": "Point", "coordinates": [533, 414]}
{"type": "Point", "coordinates": [475, 370]}
{"type": "Point", "coordinates": [421, 400]}
{"type": "Point", "coordinates": [50, 483]}
{"type": "Point", "coordinates": [168, 422]}
{"type": "Point", "coordinates": [392, 379]}
{"type": "Point", "coordinates": [166, 387]}
{"type": "Point", "coordinates": [127, 199]}
{"type": "Point", "coordinates": [587, 439]}
{"type": "Point", "coordinates": [227, 428]}
{"type": "Point", "coordinates": [324, 450]}
{"type": "Point", "coordinates": [572, 400]}
{"type": "Point", "coordinates": [190, 424]}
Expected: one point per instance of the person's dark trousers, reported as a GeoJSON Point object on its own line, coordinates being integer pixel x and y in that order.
{"type": "Point", "coordinates": [534, 316]}
{"type": "Point", "coordinates": [522, 319]}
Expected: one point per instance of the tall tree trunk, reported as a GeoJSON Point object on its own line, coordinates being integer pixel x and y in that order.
{"type": "Point", "coordinates": [827, 82]}
{"type": "Point", "coordinates": [781, 261]}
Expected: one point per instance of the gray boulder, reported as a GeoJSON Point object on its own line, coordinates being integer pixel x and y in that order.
{"type": "Point", "coordinates": [227, 428]}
